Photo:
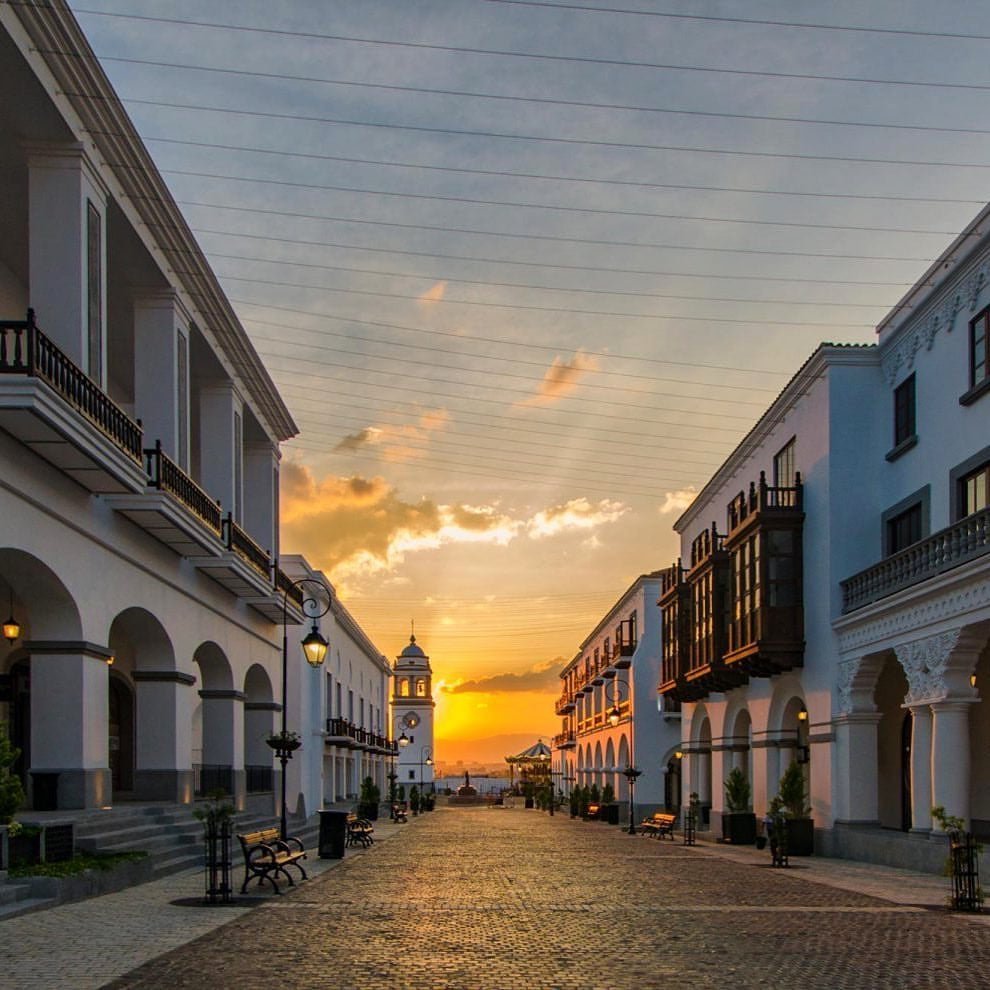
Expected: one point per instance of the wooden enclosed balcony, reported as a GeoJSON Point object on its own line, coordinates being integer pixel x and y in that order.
{"type": "Point", "coordinates": [766, 625]}
{"type": "Point", "coordinates": [565, 704]}
{"type": "Point", "coordinates": [56, 409]}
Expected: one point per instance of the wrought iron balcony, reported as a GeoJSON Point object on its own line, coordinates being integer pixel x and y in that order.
{"type": "Point", "coordinates": [54, 407]}
{"type": "Point", "coordinates": [942, 551]}
{"type": "Point", "coordinates": [165, 475]}
{"type": "Point", "coordinates": [240, 543]}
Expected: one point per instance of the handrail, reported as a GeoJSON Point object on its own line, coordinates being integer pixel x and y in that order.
{"type": "Point", "coordinates": [948, 548]}
{"type": "Point", "coordinates": [33, 353]}
{"type": "Point", "coordinates": [165, 475]}
{"type": "Point", "coordinates": [240, 543]}
{"type": "Point", "coordinates": [761, 497]}
{"type": "Point", "coordinates": [286, 585]}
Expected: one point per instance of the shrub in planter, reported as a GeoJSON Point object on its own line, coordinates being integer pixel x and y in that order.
{"type": "Point", "coordinates": [11, 791]}
{"type": "Point", "coordinates": [738, 822]}
{"type": "Point", "coordinates": [414, 799]}
{"type": "Point", "coordinates": [369, 799]}
{"type": "Point", "coordinates": [796, 811]}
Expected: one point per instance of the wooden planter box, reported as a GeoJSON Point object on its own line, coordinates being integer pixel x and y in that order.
{"type": "Point", "coordinates": [739, 828]}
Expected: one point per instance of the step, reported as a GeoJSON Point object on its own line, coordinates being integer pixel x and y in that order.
{"type": "Point", "coordinates": [16, 908]}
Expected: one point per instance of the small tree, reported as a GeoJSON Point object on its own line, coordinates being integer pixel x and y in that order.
{"type": "Point", "coordinates": [737, 791]}
{"type": "Point", "coordinates": [608, 794]}
{"type": "Point", "coordinates": [414, 799]}
{"type": "Point", "coordinates": [595, 795]}
{"type": "Point", "coordinates": [574, 802]}
{"type": "Point", "coordinates": [791, 791]}
{"type": "Point", "coordinates": [11, 791]}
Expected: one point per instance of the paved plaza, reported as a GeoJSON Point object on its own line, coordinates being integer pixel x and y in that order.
{"type": "Point", "coordinates": [489, 898]}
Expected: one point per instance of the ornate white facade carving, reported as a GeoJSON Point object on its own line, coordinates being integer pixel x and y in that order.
{"type": "Point", "coordinates": [924, 662]}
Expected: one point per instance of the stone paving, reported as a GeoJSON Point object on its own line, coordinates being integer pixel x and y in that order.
{"type": "Point", "coordinates": [484, 898]}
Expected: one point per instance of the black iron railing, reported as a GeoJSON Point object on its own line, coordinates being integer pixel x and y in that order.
{"type": "Point", "coordinates": [962, 541]}
{"type": "Point", "coordinates": [250, 552]}
{"type": "Point", "coordinates": [26, 350]}
{"type": "Point", "coordinates": [284, 584]}
{"type": "Point", "coordinates": [165, 475]}
{"type": "Point", "coordinates": [762, 497]}
{"type": "Point", "coordinates": [258, 779]}
{"type": "Point", "coordinates": [208, 778]}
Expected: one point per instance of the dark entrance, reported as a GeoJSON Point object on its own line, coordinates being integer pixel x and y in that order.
{"type": "Point", "coordinates": [20, 717]}
{"type": "Point", "coordinates": [672, 786]}
{"type": "Point", "coordinates": [907, 730]}
{"type": "Point", "coordinates": [120, 730]}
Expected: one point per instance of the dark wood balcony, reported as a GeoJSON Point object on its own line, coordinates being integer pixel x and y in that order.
{"type": "Point", "coordinates": [625, 643]}
{"type": "Point", "coordinates": [951, 547]}
{"type": "Point", "coordinates": [675, 614]}
{"type": "Point", "coordinates": [565, 704]}
{"type": "Point", "coordinates": [766, 625]}
{"type": "Point", "coordinates": [564, 740]}
{"type": "Point", "coordinates": [56, 409]}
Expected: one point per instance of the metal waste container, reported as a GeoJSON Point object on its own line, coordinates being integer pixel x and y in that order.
{"type": "Point", "coordinates": [333, 834]}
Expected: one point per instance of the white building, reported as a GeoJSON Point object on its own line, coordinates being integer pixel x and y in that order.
{"type": "Point", "coordinates": [615, 672]}
{"type": "Point", "coordinates": [412, 717]}
{"type": "Point", "coordinates": [832, 604]}
{"type": "Point", "coordinates": [139, 437]}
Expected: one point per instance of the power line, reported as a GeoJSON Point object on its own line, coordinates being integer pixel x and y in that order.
{"type": "Point", "coordinates": [708, 276]}
{"type": "Point", "coordinates": [506, 97]}
{"type": "Point", "coordinates": [487, 283]}
{"type": "Point", "coordinates": [639, 214]}
{"type": "Point", "coordinates": [547, 139]}
{"type": "Point", "coordinates": [535, 56]}
{"type": "Point", "coordinates": [503, 173]}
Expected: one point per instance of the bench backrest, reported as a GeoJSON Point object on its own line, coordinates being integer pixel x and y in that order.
{"type": "Point", "coordinates": [662, 818]}
{"type": "Point", "coordinates": [264, 837]}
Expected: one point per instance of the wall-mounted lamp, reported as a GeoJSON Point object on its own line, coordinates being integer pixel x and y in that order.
{"type": "Point", "coordinates": [803, 715]}
{"type": "Point", "coordinates": [11, 628]}
{"type": "Point", "coordinates": [404, 740]}
{"type": "Point", "coordinates": [678, 755]}
{"type": "Point", "coordinates": [110, 660]}
{"type": "Point", "coordinates": [972, 680]}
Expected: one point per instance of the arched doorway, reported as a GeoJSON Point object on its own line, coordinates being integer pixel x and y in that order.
{"type": "Point", "coordinates": [672, 785]}
{"type": "Point", "coordinates": [120, 735]}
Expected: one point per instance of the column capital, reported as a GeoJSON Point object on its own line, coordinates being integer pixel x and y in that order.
{"type": "Point", "coordinates": [73, 647]}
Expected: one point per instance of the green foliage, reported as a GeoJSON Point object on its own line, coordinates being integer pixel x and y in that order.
{"type": "Point", "coordinates": [78, 864]}
{"type": "Point", "coordinates": [737, 791]}
{"type": "Point", "coordinates": [414, 799]}
{"type": "Point", "coordinates": [595, 795]}
{"type": "Point", "coordinates": [215, 810]}
{"type": "Point", "coordinates": [790, 790]}
{"type": "Point", "coordinates": [948, 823]}
{"type": "Point", "coordinates": [11, 791]}
{"type": "Point", "coordinates": [608, 794]}
{"type": "Point", "coordinates": [370, 792]}
{"type": "Point", "coordinates": [401, 792]}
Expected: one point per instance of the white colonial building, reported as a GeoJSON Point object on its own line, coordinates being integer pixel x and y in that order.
{"type": "Point", "coordinates": [615, 673]}
{"type": "Point", "coordinates": [832, 601]}
{"type": "Point", "coordinates": [139, 438]}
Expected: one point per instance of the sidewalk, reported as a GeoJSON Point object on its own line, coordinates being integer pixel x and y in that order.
{"type": "Point", "coordinates": [86, 944]}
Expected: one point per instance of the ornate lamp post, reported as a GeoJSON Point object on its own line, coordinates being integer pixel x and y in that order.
{"type": "Point", "coordinates": [428, 761]}
{"type": "Point", "coordinates": [630, 772]}
{"type": "Point", "coordinates": [315, 650]}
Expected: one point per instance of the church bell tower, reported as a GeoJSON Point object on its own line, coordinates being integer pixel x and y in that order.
{"type": "Point", "coordinates": [412, 717]}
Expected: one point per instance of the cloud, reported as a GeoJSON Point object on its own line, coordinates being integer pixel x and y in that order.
{"type": "Point", "coordinates": [434, 293]}
{"type": "Point", "coordinates": [562, 378]}
{"type": "Point", "coordinates": [677, 501]}
{"type": "Point", "coordinates": [542, 677]}
{"type": "Point", "coordinates": [577, 514]}
{"type": "Point", "coordinates": [399, 443]}
{"type": "Point", "coordinates": [358, 526]}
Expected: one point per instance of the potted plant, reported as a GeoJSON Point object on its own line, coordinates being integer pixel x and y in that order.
{"type": "Point", "coordinates": [574, 802]}
{"type": "Point", "coordinates": [738, 822]}
{"type": "Point", "coordinates": [284, 743]}
{"type": "Point", "coordinates": [610, 810]}
{"type": "Point", "coordinates": [583, 801]}
{"type": "Point", "coordinates": [369, 799]}
{"type": "Point", "coordinates": [794, 806]}
{"type": "Point", "coordinates": [414, 800]}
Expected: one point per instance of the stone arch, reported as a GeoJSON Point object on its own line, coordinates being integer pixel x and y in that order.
{"type": "Point", "coordinates": [599, 762]}
{"type": "Point", "coordinates": [138, 641]}
{"type": "Point", "coordinates": [893, 789]}
{"type": "Point", "coordinates": [42, 604]}
{"type": "Point", "coordinates": [979, 742]}
{"type": "Point", "coordinates": [739, 737]}
{"type": "Point", "coordinates": [623, 789]}
{"type": "Point", "coordinates": [217, 730]}
{"type": "Point", "coordinates": [260, 714]}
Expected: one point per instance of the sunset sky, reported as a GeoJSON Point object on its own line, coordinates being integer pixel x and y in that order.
{"type": "Point", "coordinates": [525, 272]}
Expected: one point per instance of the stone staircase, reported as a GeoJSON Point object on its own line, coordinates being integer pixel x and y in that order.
{"type": "Point", "coordinates": [170, 834]}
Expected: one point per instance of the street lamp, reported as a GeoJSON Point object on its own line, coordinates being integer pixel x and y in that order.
{"type": "Point", "coordinates": [427, 762]}
{"type": "Point", "coordinates": [314, 649]}
{"type": "Point", "coordinates": [614, 717]}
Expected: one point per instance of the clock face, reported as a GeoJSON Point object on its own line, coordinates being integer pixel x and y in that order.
{"type": "Point", "coordinates": [411, 720]}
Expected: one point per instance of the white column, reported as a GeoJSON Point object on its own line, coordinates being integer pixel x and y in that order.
{"type": "Point", "coordinates": [763, 787]}
{"type": "Point", "coordinates": [921, 768]}
{"type": "Point", "coordinates": [218, 405]}
{"type": "Point", "coordinates": [223, 735]}
{"type": "Point", "coordinates": [720, 763]}
{"type": "Point", "coordinates": [950, 757]}
{"type": "Point", "coordinates": [158, 325]}
{"type": "Point", "coordinates": [69, 716]}
{"type": "Point", "coordinates": [163, 760]}
{"type": "Point", "coordinates": [261, 494]}
{"type": "Point", "coordinates": [857, 787]}
{"type": "Point", "coordinates": [67, 253]}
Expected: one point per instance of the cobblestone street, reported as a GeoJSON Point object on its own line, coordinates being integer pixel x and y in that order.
{"type": "Point", "coordinates": [468, 898]}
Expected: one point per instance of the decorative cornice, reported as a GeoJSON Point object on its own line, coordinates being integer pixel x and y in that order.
{"type": "Point", "coordinates": [68, 647]}
{"type": "Point", "coordinates": [227, 694]}
{"type": "Point", "coordinates": [262, 706]}
{"type": "Point", "coordinates": [925, 662]}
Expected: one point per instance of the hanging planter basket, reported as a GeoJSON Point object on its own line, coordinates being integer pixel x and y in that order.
{"type": "Point", "coordinates": [284, 745]}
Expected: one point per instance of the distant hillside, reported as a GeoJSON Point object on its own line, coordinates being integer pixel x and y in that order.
{"type": "Point", "coordinates": [492, 749]}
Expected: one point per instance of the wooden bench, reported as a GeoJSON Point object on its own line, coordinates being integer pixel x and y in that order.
{"type": "Point", "coordinates": [360, 831]}
{"type": "Point", "coordinates": [266, 855]}
{"type": "Point", "coordinates": [660, 824]}
{"type": "Point", "coordinates": [594, 810]}
{"type": "Point", "coordinates": [399, 813]}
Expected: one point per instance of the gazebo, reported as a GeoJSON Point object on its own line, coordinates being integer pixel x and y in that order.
{"type": "Point", "coordinates": [533, 764]}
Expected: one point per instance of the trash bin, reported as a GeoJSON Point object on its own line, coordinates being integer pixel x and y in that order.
{"type": "Point", "coordinates": [333, 834]}
{"type": "Point", "coordinates": [44, 791]}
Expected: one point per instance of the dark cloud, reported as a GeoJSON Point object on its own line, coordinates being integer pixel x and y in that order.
{"type": "Point", "coordinates": [544, 677]}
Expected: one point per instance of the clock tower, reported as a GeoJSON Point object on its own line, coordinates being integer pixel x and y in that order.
{"type": "Point", "coordinates": [412, 717]}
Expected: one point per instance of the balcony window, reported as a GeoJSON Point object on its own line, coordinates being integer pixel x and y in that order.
{"type": "Point", "coordinates": [905, 426]}
{"type": "Point", "coordinates": [973, 491]}
{"type": "Point", "coordinates": [904, 529]}
{"type": "Point", "coordinates": [979, 351]}
{"type": "Point", "coordinates": [784, 467]}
